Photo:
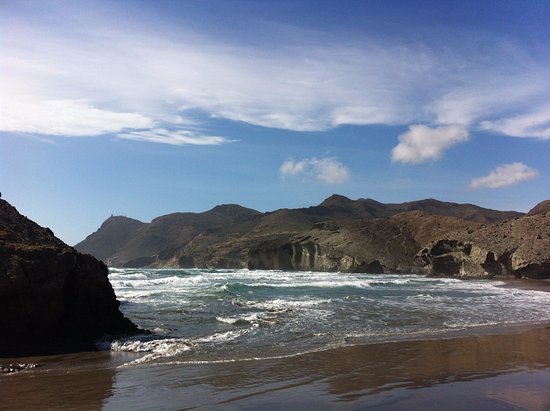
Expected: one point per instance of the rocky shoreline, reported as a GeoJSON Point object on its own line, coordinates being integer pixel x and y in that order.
{"type": "Point", "coordinates": [52, 298]}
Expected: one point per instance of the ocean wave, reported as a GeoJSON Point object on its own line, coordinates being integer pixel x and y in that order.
{"type": "Point", "coordinates": [232, 314]}
{"type": "Point", "coordinates": [127, 276]}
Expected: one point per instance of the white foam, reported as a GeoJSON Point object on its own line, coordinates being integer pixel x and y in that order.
{"type": "Point", "coordinates": [253, 318]}
{"type": "Point", "coordinates": [242, 301]}
{"type": "Point", "coordinates": [221, 337]}
{"type": "Point", "coordinates": [127, 276]}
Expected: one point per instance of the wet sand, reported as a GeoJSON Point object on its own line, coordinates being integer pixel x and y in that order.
{"type": "Point", "coordinates": [503, 368]}
{"type": "Point", "coordinates": [508, 370]}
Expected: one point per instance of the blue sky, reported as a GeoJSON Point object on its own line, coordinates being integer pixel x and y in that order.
{"type": "Point", "coordinates": [144, 108]}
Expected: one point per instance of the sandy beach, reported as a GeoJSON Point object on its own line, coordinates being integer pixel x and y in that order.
{"type": "Point", "coordinates": [504, 368]}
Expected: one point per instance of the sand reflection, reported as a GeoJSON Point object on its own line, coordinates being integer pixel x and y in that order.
{"type": "Point", "coordinates": [476, 369]}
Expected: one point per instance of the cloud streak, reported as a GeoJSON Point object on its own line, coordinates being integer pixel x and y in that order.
{"type": "Point", "coordinates": [66, 118]}
{"type": "Point", "coordinates": [505, 175]}
{"type": "Point", "coordinates": [327, 170]}
{"type": "Point", "coordinates": [177, 137]}
{"type": "Point", "coordinates": [534, 124]}
{"type": "Point", "coordinates": [422, 143]}
{"type": "Point", "coordinates": [103, 78]}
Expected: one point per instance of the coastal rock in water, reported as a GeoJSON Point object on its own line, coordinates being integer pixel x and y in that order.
{"type": "Point", "coordinates": [51, 296]}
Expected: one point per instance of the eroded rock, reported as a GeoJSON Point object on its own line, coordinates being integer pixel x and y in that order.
{"type": "Point", "coordinates": [51, 296]}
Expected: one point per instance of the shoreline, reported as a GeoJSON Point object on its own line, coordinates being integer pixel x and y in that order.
{"type": "Point", "coordinates": [505, 366]}
{"type": "Point", "coordinates": [362, 375]}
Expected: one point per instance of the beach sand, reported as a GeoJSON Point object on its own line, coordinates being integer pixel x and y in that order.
{"type": "Point", "coordinates": [502, 368]}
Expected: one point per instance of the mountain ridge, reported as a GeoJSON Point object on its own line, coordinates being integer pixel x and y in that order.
{"type": "Point", "coordinates": [338, 234]}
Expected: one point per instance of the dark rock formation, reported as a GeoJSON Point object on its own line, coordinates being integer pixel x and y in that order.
{"type": "Point", "coordinates": [52, 298]}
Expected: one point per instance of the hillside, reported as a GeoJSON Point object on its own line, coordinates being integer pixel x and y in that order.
{"type": "Point", "coordinates": [339, 234]}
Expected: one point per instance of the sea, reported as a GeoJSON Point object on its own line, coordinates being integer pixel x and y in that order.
{"type": "Point", "coordinates": [276, 340]}
{"type": "Point", "coordinates": [210, 316]}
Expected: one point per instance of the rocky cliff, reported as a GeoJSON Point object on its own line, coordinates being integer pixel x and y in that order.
{"type": "Point", "coordinates": [222, 237]}
{"type": "Point", "coordinates": [516, 248]}
{"type": "Point", "coordinates": [340, 234]}
{"type": "Point", "coordinates": [52, 298]}
{"type": "Point", "coordinates": [381, 245]}
{"type": "Point", "coordinates": [416, 242]}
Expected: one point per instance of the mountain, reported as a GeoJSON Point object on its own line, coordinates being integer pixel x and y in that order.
{"type": "Point", "coordinates": [52, 298]}
{"type": "Point", "coordinates": [114, 231]}
{"type": "Point", "coordinates": [374, 209]}
{"type": "Point", "coordinates": [339, 234]}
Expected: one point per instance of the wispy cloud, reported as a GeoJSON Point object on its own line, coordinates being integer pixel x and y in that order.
{"type": "Point", "coordinates": [422, 143]}
{"type": "Point", "coordinates": [533, 124]}
{"type": "Point", "coordinates": [177, 137]}
{"type": "Point", "coordinates": [67, 118]}
{"type": "Point", "coordinates": [328, 170]}
{"type": "Point", "coordinates": [505, 175]}
{"type": "Point", "coordinates": [105, 78]}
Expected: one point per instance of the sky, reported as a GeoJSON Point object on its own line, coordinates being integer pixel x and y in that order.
{"type": "Point", "coordinates": [144, 108]}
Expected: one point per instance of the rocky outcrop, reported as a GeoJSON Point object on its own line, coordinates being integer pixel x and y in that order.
{"type": "Point", "coordinates": [517, 248]}
{"type": "Point", "coordinates": [382, 245]}
{"type": "Point", "coordinates": [304, 255]}
{"type": "Point", "coordinates": [51, 296]}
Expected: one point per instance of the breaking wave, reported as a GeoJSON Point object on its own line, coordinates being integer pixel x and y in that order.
{"type": "Point", "coordinates": [227, 315]}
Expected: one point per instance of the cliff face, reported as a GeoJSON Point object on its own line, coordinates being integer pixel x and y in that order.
{"type": "Point", "coordinates": [516, 248]}
{"type": "Point", "coordinates": [51, 296]}
{"type": "Point", "coordinates": [340, 234]}
{"type": "Point", "coordinates": [382, 245]}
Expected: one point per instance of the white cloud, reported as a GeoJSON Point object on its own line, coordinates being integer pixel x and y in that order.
{"type": "Point", "coordinates": [328, 170]}
{"type": "Point", "coordinates": [422, 143]}
{"type": "Point", "coordinates": [129, 76]}
{"type": "Point", "coordinates": [483, 95]}
{"type": "Point", "coordinates": [505, 175]}
{"type": "Point", "coordinates": [66, 118]}
{"type": "Point", "coordinates": [535, 124]}
{"type": "Point", "coordinates": [177, 137]}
